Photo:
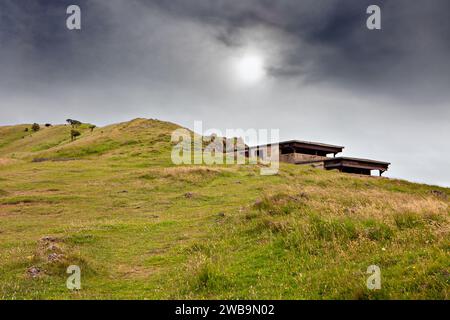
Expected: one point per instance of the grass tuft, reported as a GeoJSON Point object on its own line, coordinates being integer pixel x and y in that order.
{"type": "Point", "coordinates": [279, 203]}
{"type": "Point", "coordinates": [331, 229]}
{"type": "Point", "coordinates": [207, 276]}
{"type": "Point", "coordinates": [377, 231]}
{"type": "Point", "coordinates": [408, 220]}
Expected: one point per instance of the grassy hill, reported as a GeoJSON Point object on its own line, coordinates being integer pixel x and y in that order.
{"type": "Point", "coordinates": [140, 227]}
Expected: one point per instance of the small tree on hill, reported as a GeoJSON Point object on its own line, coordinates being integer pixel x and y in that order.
{"type": "Point", "coordinates": [92, 127]}
{"type": "Point", "coordinates": [73, 123]}
{"type": "Point", "coordinates": [48, 125]}
{"type": "Point", "coordinates": [35, 127]}
{"type": "Point", "coordinates": [74, 134]}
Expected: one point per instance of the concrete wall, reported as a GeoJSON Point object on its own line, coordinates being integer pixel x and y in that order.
{"type": "Point", "coordinates": [294, 157]}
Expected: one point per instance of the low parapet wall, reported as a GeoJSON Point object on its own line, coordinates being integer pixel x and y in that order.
{"type": "Point", "coordinates": [299, 157]}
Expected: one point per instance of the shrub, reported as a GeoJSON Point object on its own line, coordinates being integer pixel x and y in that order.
{"type": "Point", "coordinates": [73, 123]}
{"type": "Point", "coordinates": [74, 134]}
{"type": "Point", "coordinates": [48, 125]}
{"type": "Point", "coordinates": [35, 127]}
{"type": "Point", "coordinates": [26, 130]}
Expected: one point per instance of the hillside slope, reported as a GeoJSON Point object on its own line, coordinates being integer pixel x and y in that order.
{"type": "Point", "coordinates": [140, 227]}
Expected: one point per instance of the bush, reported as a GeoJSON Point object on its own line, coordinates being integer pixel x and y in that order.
{"type": "Point", "coordinates": [74, 134]}
{"type": "Point", "coordinates": [35, 127]}
{"type": "Point", "coordinates": [48, 125]}
{"type": "Point", "coordinates": [73, 123]}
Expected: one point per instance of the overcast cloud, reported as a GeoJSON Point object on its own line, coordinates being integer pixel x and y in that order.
{"type": "Point", "coordinates": [383, 94]}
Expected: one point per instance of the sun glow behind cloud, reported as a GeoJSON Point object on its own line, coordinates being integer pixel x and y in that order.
{"type": "Point", "coordinates": [249, 68]}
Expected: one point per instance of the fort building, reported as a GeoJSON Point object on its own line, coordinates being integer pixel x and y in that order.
{"type": "Point", "coordinates": [318, 155]}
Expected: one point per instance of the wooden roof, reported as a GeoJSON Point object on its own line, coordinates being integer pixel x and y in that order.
{"type": "Point", "coordinates": [356, 163]}
{"type": "Point", "coordinates": [306, 145]}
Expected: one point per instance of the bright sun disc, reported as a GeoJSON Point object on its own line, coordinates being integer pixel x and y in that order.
{"type": "Point", "coordinates": [250, 69]}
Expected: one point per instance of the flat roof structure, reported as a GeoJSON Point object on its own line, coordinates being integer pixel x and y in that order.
{"type": "Point", "coordinates": [305, 147]}
{"type": "Point", "coordinates": [356, 165]}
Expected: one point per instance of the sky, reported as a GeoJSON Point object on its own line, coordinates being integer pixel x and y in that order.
{"type": "Point", "coordinates": [310, 68]}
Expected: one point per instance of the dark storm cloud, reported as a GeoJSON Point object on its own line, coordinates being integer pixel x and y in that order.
{"type": "Point", "coordinates": [119, 39]}
{"type": "Point", "coordinates": [126, 57]}
{"type": "Point", "coordinates": [411, 50]}
{"type": "Point", "coordinates": [36, 46]}
{"type": "Point", "coordinates": [326, 39]}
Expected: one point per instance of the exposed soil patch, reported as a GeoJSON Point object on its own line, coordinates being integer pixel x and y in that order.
{"type": "Point", "coordinates": [48, 248]}
{"type": "Point", "coordinates": [34, 272]}
{"type": "Point", "coordinates": [5, 161]}
{"type": "Point", "coordinates": [189, 195]}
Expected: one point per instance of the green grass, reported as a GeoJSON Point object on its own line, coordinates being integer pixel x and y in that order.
{"type": "Point", "coordinates": [142, 228]}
